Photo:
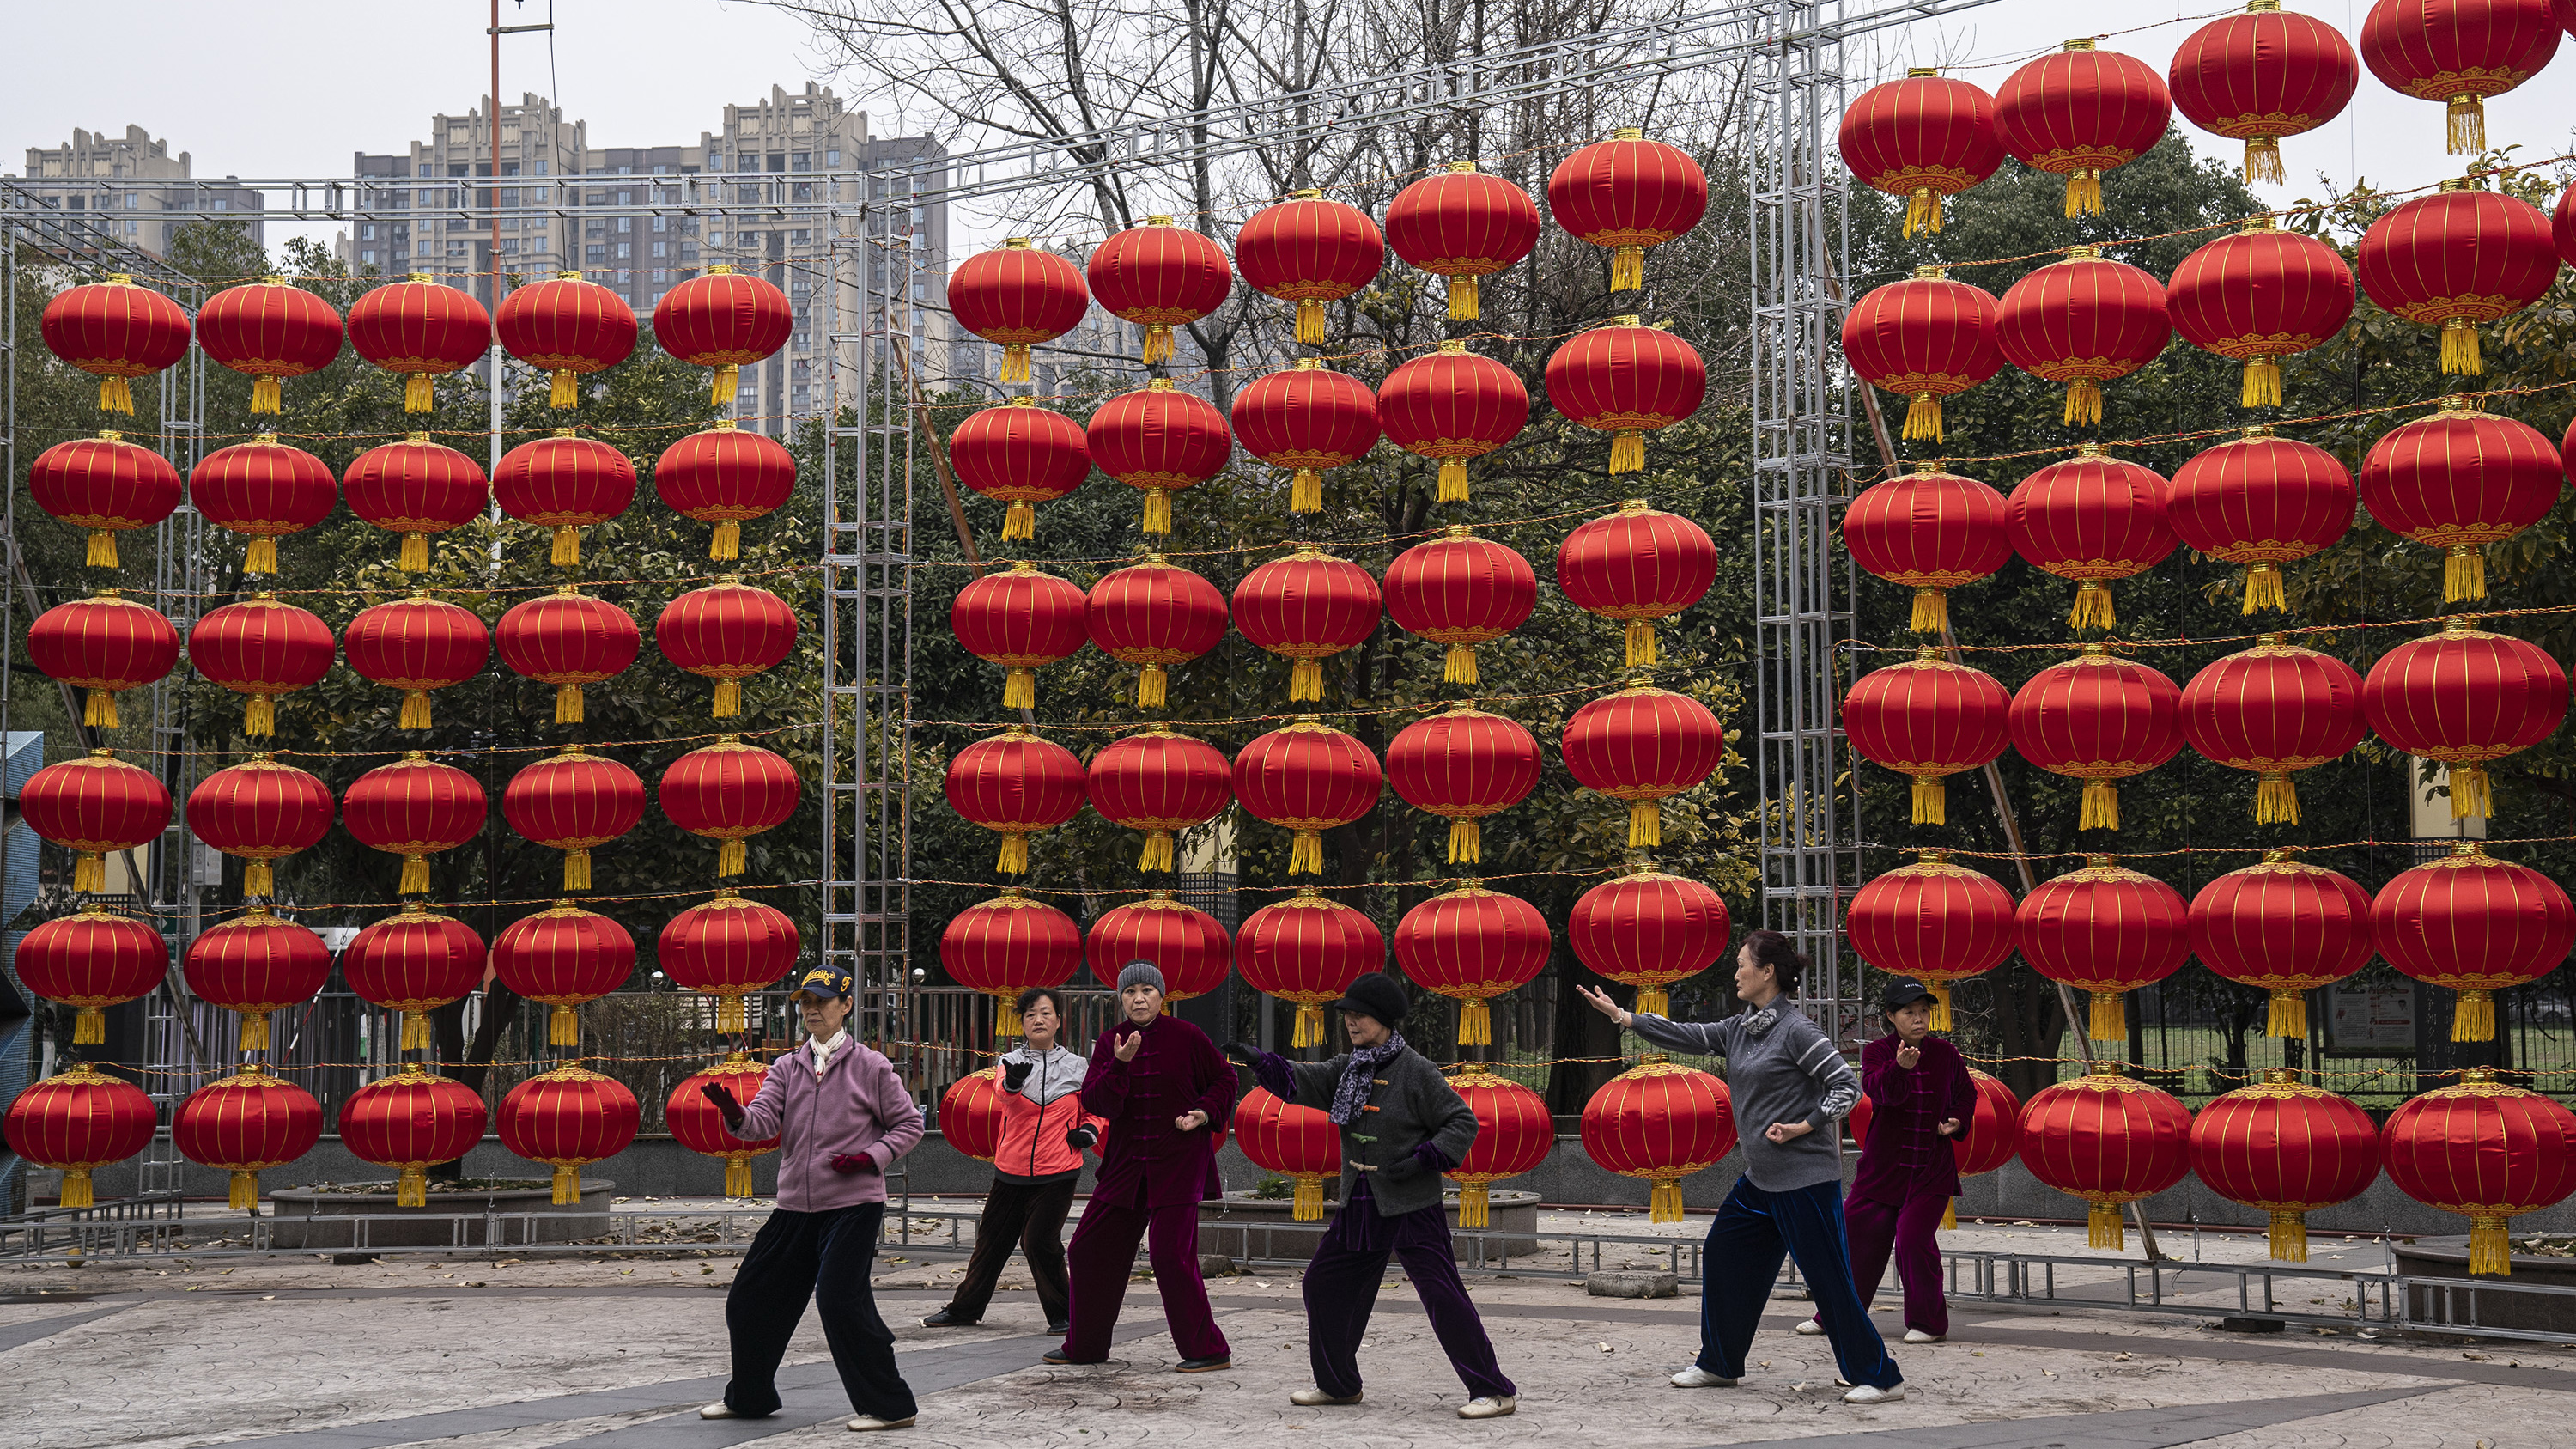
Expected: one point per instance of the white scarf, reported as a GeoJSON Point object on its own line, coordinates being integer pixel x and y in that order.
{"type": "Point", "coordinates": [823, 1049]}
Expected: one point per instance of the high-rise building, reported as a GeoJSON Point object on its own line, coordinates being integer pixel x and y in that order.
{"type": "Point", "coordinates": [94, 175]}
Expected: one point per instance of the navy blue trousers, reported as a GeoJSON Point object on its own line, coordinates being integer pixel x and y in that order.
{"type": "Point", "coordinates": [1741, 1263]}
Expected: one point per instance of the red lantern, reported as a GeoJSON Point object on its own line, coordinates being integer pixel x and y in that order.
{"type": "Point", "coordinates": [1626, 380]}
{"type": "Point", "coordinates": [91, 806]}
{"type": "Point", "coordinates": [2273, 709]}
{"type": "Point", "coordinates": [727, 477]}
{"type": "Point", "coordinates": [264, 489]}
{"type": "Point", "coordinates": [103, 644]}
{"type": "Point", "coordinates": [115, 330]}
{"type": "Point", "coordinates": [1923, 138]}
{"type": "Point", "coordinates": [1161, 440]}
{"type": "Point", "coordinates": [2107, 930]}
{"type": "Point", "coordinates": [1154, 615]}
{"type": "Point", "coordinates": [1018, 784]}
{"type": "Point", "coordinates": [264, 649]}
{"type": "Point", "coordinates": [1021, 619]}
{"type": "Point", "coordinates": [567, 327]}
{"type": "Point", "coordinates": [1308, 778]}
{"type": "Point", "coordinates": [2284, 927]}
{"type": "Point", "coordinates": [2458, 52]}
{"type": "Point", "coordinates": [1643, 744]}
{"type": "Point", "coordinates": [78, 1120]}
{"type": "Point", "coordinates": [2100, 720]}
{"type": "Point", "coordinates": [1159, 782]}
{"type": "Point", "coordinates": [2562, 223]}
{"type": "Point", "coordinates": [106, 485]}
{"type": "Point", "coordinates": [1639, 564]}
{"type": "Point", "coordinates": [723, 320]}
{"type": "Point", "coordinates": [563, 956]}
{"type": "Point", "coordinates": [1473, 944]}
{"type": "Point", "coordinates": [2458, 259]}
{"type": "Point", "coordinates": [1023, 455]}
{"type": "Point", "coordinates": [1514, 1134]}
{"type": "Point", "coordinates": [1307, 950]}
{"type": "Point", "coordinates": [1188, 946]}
{"type": "Point", "coordinates": [2460, 480]}
{"type": "Point", "coordinates": [2261, 501]}
{"type": "Point", "coordinates": [1018, 296]}
{"type": "Point", "coordinates": [1463, 765]}
{"type": "Point", "coordinates": [2475, 925]}
{"type": "Point", "coordinates": [729, 792]}
{"type": "Point", "coordinates": [728, 948]}
{"type": "Point", "coordinates": [1160, 275]}
{"type": "Point", "coordinates": [1925, 338]}
{"type": "Point", "coordinates": [1006, 945]}
{"type": "Point", "coordinates": [2465, 697]}
{"type": "Point", "coordinates": [1298, 1143]}
{"type": "Point", "coordinates": [1932, 921]}
{"type": "Point", "coordinates": [244, 1124]}
{"type": "Point", "coordinates": [566, 1118]}
{"type": "Point", "coordinates": [416, 487]}
{"type": "Point", "coordinates": [1307, 607]}
{"type": "Point", "coordinates": [726, 632]}
{"type": "Point", "coordinates": [1450, 406]}
{"type": "Point", "coordinates": [2259, 295]}
{"type": "Point", "coordinates": [261, 811]}
{"type": "Point", "coordinates": [1927, 718]}
{"type": "Point", "coordinates": [417, 645]}
{"type": "Point", "coordinates": [1931, 533]}
{"type": "Point", "coordinates": [254, 965]}
{"type": "Point", "coordinates": [2079, 113]}
{"type": "Point", "coordinates": [91, 960]}
{"type": "Point", "coordinates": [2107, 1140]}
{"type": "Point", "coordinates": [1993, 1138]}
{"type": "Point", "coordinates": [1462, 224]}
{"type": "Point", "coordinates": [970, 1114]}
{"type": "Point", "coordinates": [1648, 930]}
{"type": "Point", "coordinates": [2260, 76]}
{"type": "Point", "coordinates": [1307, 419]}
{"type": "Point", "coordinates": [2091, 518]}
{"type": "Point", "coordinates": [568, 639]}
{"type": "Point", "coordinates": [573, 802]}
{"type": "Point", "coordinates": [694, 1120]}
{"type": "Point", "coordinates": [1627, 194]}
{"type": "Point", "coordinates": [414, 962]}
{"type": "Point", "coordinates": [1659, 1121]}
{"type": "Point", "coordinates": [565, 483]}
{"type": "Point", "coordinates": [2486, 1151]}
{"type": "Point", "coordinates": [2083, 322]}
{"type": "Point", "coordinates": [1309, 251]}
{"type": "Point", "coordinates": [270, 331]}
{"type": "Point", "coordinates": [414, 808]}
{"type": "Point", "coordinates": [412, 1121]}
{"type": "Point", "coordinates": [421, 329]}
{"type": "Point", "coordinates": [1462, 591]}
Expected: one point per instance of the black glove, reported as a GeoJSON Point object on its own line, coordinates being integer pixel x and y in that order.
{"type": "Point", "coordinates": [1081, 1138]}
{"type": "Point", "coordinates": [1014, 1073]}
{"type": "Point", "coordinates": [1244, 1052]}
{"type": "Point", "coordinates": [724, 1103]}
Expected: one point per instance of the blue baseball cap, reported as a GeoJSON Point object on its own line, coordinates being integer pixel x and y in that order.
{"type": "Point", "coordinates": [823, 983]}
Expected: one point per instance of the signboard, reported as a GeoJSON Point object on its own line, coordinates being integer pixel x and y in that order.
{"type": "Point", "coordinates": [2371, 1019]}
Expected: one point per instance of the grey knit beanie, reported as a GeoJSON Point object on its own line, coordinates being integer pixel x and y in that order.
{"type": "Point", "coordinates": [1140, 973]}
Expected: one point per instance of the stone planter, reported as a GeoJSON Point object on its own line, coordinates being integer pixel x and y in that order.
{"type": "Point", "coordinates": [1239, 1225]}
{"type": "Point", "coordinates": [2497, 1308]}
{"type": "Point", "coordinates": [306, 1220]}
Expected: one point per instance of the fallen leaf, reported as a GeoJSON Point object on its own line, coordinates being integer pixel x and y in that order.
{"type": "Point", "coordinates": [2122, 1358]}
{"type": "Point", "coordinates": [268, 1298]}
{"type": "Point", "coordinates": [1605, 1348]}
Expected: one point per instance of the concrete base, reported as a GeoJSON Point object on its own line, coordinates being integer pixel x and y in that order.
{"type": "Point", "coordinates": [2449, 1258]}
{"type": "Point", "coordinates": [1633, 1285]}
{"type": "Point", "coordinates": [305, 1220]}
{"type": "Point", "coordinates": [1237, 1225]}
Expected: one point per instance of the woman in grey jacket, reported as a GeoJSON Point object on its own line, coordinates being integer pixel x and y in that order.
{"type": "Point", "coordinates": [1789, 1087]}
{"type": "Point", "coordinates": [1402, 1125]}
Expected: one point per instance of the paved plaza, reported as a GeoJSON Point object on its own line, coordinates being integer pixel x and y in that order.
{"type": "Point", "coordinates": [474, 1353]}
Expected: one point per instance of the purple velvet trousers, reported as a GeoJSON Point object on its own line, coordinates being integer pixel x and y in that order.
{"type": "Point", "coordinates": [1875, 1228]}
{"type": "Point", "coordinates": [1342, 1286]}
{"type": "Point", "coordinates": [1103, 1254]}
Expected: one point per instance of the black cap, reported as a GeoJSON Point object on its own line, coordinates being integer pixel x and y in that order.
{"type": "Point", "coordinates": [824, 983]}
{"type": "Point", "coordinates": [1375, 994]}
{"type": "Point", "coordinates": [1903, 992]}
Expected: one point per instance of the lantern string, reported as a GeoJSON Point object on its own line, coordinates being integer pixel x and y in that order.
{"type": "Point", "coordinates": [2021, 58]}
{"type": "Point", "coordinates": [467, 751]}
{"type": "Point", "coordinates": [1428, 706]}
{"type": "Point", "coordinates": [2214, 640]}
{"type": "Point", "coordinates": [2192, 850]}
{"type": "Point", "coordinates": [391, 592]}
{"type": "Point", "coordinates": [1485, 878]}
{"type": "Point", "coordinates": [286, 908]}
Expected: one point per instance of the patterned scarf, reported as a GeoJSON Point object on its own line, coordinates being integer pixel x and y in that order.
{"type": "Point", "coordinates": [1756, 1023]}
{"type": "Point", "coordinates": [1352, 1092]}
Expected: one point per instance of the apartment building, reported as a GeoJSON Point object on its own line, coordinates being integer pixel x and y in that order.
{"type": "Point", "coordinates": [131, 188]}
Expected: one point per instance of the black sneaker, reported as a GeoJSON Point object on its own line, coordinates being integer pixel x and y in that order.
{"type": "Point", "coordinates": [1204, 1365]}
{"type": "Point", "coordinates": [1060, 1357]}
{"type": "Point", "coordinates": [947, 1318]}
{"type": "Point", "coordinates": [1059, 1326]}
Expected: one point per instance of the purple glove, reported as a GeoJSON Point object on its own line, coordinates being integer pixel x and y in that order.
{"type": "Point", "coordinates": [853, 1162]}
{"type": "Point", "coordinates": [724, 1103]}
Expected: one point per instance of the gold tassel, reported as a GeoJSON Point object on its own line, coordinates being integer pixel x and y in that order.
{"type": "Point", "coordinates": [2460, 355]}
{"type": "Point", "coordinates": [261, 556]}
{"type": "Point", "coordinates": [1020, 689]}
{"type": "Point", "coordinates": [1922, 211]}
{"type": "Point", "coordinates": [414, 557]}
{"type": "Point", "coordinates": [2102, 1228]}
{"type": "Point", "coordinates": [1310, 1025]}
{"type": "Point", "coordinates": [99, 711]}
{"type": "Point", "coordinates": [2092, 606]}
{"type": "Point", "coordinates": [1006, 1017]}
{"type": "Point", "coordinates": [728, 383]}
{"type": "Point", "coordinates": [730, 1016]}
{"type": "Point", "coordinates": [254, 1032]}
{"type": "Point", "coordinates": [568, 704]}
{"type": "Point", "coordinates": [1015, 363]}
{"type": "Point", "coordinates": [1306, 680]}
{"type": "Point", "coordinates": [115, 397]}
{"type": "Point", "coordinates": [1641, 644]}
{"type": "Point", "coordinates": [416, 1031]}
{"type": "Point", "coordinates": [1627, 451]}
{"type": "Point", "coordinates": [1462, 299]}
{"type": "Point", "coordinates": [102, 549]}
{"type": "Point", "coordinates": [89, 872]}
{"type": "Point", "coordinates": [1158, 510]}
{"type": "Point", "coordinates": [1158, 341]}
{"type": "Point", "coordinates": [2101, 807]}
{"type": "Point", "coordinates": [732, 858]}
{"type": "Point", "coordinates": [2289, 1016]}
{"type": "Point", "coordinates": [1307, 1205]}
{"type": "Point", "coordinates": [90, 1027]}
{"type": "Point", "coordinates": [2083, 192]}
{"type": "Point", "coordinates": [1475, 1024]}
{"type": "Point", "coordinates": [2473, 1016]}
{"type": "Point", "coordinates": [76, 1189]}
{"type": "Point", "coordinates": [1158, 851]}
{"type": "Point", "coordinates": [2083, 402]}
{"type": "Point", "coordinates": [245, 1191]}
{"type": "Point", "coordinates": [1019, 521]}
{"type": "Point", "coordinates": [563, 1027]}
{"type": "Point", "coordinates": [1923, 418]}
{"type": "Point", "coordinates": [1654, 1001]}
{"type": "Point", "coordinates": [259, 878]}
{"type": "Point", "coordinates": [1664, 1205]}
{"type": "Point", "coordinates": [259, 717]}
{"type": "Point", "coordinates": [567, 550]}
{"type": "Point", "coordinates": [2110, 1016]}
{"type": "Point", "coordinates": [2262, 386]}
{"type": "Point", "coordinates": [411, 1188]}
{"type": "Point", "coordinates": [415, 876]}
{"type": "Point", "coordinates": [2264, 588]}
{"type": "Point", "coordinates": [1014, 859]}
{"type": "Point", "coordinates": [729, 699]}
{"type": "Point", "coordinates": [1931, 611]}
{"type": "Point", "coordinates": [726, 545]}
{"type": "Point", "coordinates": [1306, 491]}
{"type": "Point", "coordinates": [1941, 1018]}
{"type": "Point", "coordinates": [266, 396]}
{"type": "Point", "coordinates": [2469, 792]}
{"type": "Point", "coordinates": [1931, 801]}
{"type": "Point", "coordinates": [567, 1184]}
{"type": "Point", "coordinates": [2263, 163]}
{"type": "Point", "coordinates": [1466, 842]}
{"type": "Point", "coordinates": [2276, 800]}
{"type": "Point", "coordinates": [1475, 1208]}
{"type": "Point", "coordinates": [1453, 481]}
{"type": "Point", "coordinates": [1645, 824]}
{"type": "Point", "coordinates": [417, 396]}
{"type": "Point", "coordinates": [2289, 1235]}
{"type": "Point", "coordinates": [1310, 320]}
{"type": "Point", "coordinates": [1950, 1216]}
{"type": "Point", "coordinates": [1306, 853]}
{"type": "Point", "coordinates": [415, 710]}
{"type": "Point", "coordinates": [1627, 274]}
{"type": "Point", "coordinates": [576, 875]}
{"type": "Point", "coordinates": [738, 1177]}
{"type": "Point", "coordinates": [2490, 1249]}
{"type": "Point", "coordinates": [2464, 573]}
{"type": "Point", "coordinates": [1153, 687]}
{"type": "Point", "coordinates": [1458, 665]}
{"type": "Point", "coordinates": [567, 389]}
{"type": "Point", "coordinates": [2466, 134]}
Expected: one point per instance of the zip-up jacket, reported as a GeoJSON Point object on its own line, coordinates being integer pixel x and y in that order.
{"type": "Point", "coordinates": [1036, 1117]}
{"type": "Point", "coordinates": [855, 1106]}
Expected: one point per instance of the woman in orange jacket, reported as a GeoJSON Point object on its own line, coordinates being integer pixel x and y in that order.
{"type": "Point", "coordinates": [1044, 1134]}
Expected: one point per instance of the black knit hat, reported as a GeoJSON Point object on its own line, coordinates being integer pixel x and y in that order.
{"type": "Point", "coordinates": [1376, 994]}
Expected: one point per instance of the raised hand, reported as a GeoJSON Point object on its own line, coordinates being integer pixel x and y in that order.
{"type": "Point", "coordinates": [1014, 1073]}
{"type": "Point", "coordinates": [1128, 1045]}
{"type": "Point", "coordinates": [723, 1102]}
{"type": "Point", "coordinates": [1602, 1003]}
{"type": "Point", "coordinates": [1949, 1127]}
{"type": "Point", "coordinates": [1907, 1055]}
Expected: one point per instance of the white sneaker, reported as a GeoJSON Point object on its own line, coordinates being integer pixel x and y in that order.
{"type": "Point", "coordinates": [1317, 1399]}
{"type": "Point", "coordinates": [1488, 1408]}
{"type": "Point", "coordinates": [1810, 1327]}
{"type": "Point", "coordinates": [717, 1411]}
{"type": "Point", "coordinates": [1872, 1394]}
{"type": "Point", "coordinates": [1696, 1377]}
{"type": "Point", "coordinates": [866, 1422]}
{"type": "Point", "coordinates": [1916, 1335]}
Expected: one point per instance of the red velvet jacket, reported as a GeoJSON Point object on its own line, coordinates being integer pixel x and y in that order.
{"type": "Point", "coordinates": [1145, 1161]}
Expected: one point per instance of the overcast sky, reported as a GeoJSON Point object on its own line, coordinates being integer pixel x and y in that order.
{"type": "Point", "coordinates": [294, 87]}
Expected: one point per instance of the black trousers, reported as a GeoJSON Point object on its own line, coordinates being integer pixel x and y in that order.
{"type": "Point", "coordinates": [1030, 1214]}
{"type": "Point", "coordinates": [824, 1257]}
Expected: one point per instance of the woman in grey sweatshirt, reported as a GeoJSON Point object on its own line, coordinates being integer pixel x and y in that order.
{"type": "Point", "coordinates": [1788, 1087]}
